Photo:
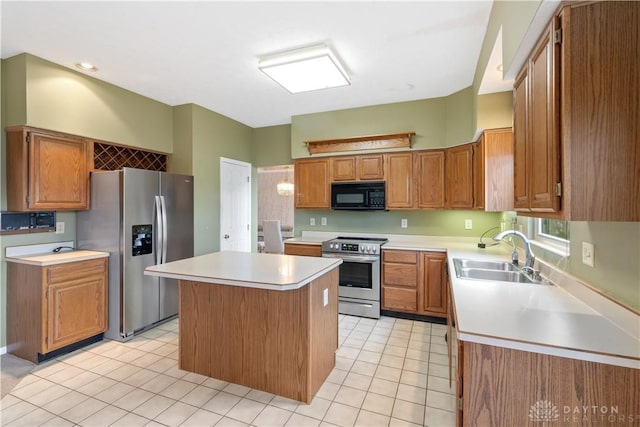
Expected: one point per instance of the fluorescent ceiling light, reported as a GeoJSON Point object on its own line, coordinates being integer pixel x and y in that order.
{"type": "Point", "coordinates": [302, 70]}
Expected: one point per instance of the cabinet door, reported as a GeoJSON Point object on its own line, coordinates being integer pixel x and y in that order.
{"type": "Point", "coordinates": [371, 167]}
{"type": "Point", "coordinates": [544, 148]}
{"type": "Point", "coordinates": [479, 174]}
{"type": "Point", "coordinates": [520, 138]}
{"type": "Point", "coordinates": [460, 177]}
{"type": "Point", "coordinates": [433, 295]}
{"type": "Point", "coordinates": [497, 170]}
{"type": "Point", "coordinates": [430, 178]}
{"type": "Point", "coordinates": [343, 168]}
{"type": "Point", "coordinates": [76, 310]}
{"type": "Point", "coordinates": [398, 171]}
{"type": "Point", "coordinates": [58, 172]}
{"type": "Point", "coordinates": [312, 185]}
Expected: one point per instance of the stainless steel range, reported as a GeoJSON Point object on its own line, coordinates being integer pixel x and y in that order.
{"type": "Point", "coordinates": [359, 282]}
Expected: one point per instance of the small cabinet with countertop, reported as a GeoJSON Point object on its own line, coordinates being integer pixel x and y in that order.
{"type": "Point", "coordinates": [46, 170]}
{"type": "Point", "coordinates": [54, 301]}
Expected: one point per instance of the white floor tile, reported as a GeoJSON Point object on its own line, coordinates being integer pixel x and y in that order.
{"type": "Point", "coordinates": [357, 381]}
{"type": "Point", "coordinates": [412, 394]}
{"type": "Point", "coordinates": [284, 403]}
{"type": "Point", "coordinates": [97, 386]}
{"type": "Point", "coordinates": [441, 384]}
{"type": "Point", "coordinates": [392, 361]}
{"type": "Point", "coordinates": [153, 407]}
{"type": "Point", "coordinates": [438, 418]}
{"type": "Point", "coordinates": [387, 373]}
{"type": "Point", "coordinates": [83, 410]}
{"type": "Point", "coordinates": [114, 392]}
{"type": "Point", "coordinates": [64, 402]}
{"type": "Point", "coordinates": [131, 420]}
{"type": "Point", "coordinates": [316, 409]}
{"type": "Point", "coordinates": [133, 399]}
{"type": "Point", "coordinates": [238, 390]}
{"type": "Point", "coordinates": [350, 396]}
{"type": "Point", "coordinates": [415, 379]}
{"type": "Point", "coordinates": [408, 411]}
{"type": "Point", "coordinates": [341, 415]}
{"type": "Point", "coordinates": [260, 396]}
{"type": "Point", "coordinates": [158, 383]}
{"type": "Point", "coordinates": [328, 390]}
{"type": "Point", "coordinates": [298, 420]}
{"type": "Point", "coordinates": [272, 417]}
{"type": "Point", "coordinates": [230, 422]}
{"type": "Point", "coordinates": [384, 387]}
{"type": "Point", "coordinates": [16, 411]}
{"type": "Point", "coordinates": [246, 410]}
{"type": "Point", "coordinates": [198, 396]}
{"type": "Point", "coordinates": [439, 400]}
{"type": "Point", "coordinates": [202, 418]}
{"type": "Point", "coordinates": [371, 419]}
{"type": "Point", "coordinates": [221, 403]}
{"type": "Point", "coordinates": [104, 417]}
{"type": "Point", "coordinates": [178, 389]}
{"type": "Point", "coordinates": [378, 403]}
{"type": "Point", "coordinates": [34, 418]}
{"type": "Point", "coordinates": [364, 368]}
{"type": "Point", "coordinates": [176, 414]}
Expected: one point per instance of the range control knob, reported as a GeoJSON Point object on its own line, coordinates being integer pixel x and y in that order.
{"type": "Point", "coordinates": [369, 249]}
{"type": "Point", "coordinates": [375, 249]}
{"type": "Point", "coordinates": [362, 249]}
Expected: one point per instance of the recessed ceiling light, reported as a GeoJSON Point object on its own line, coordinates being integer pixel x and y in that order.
{"type": "Point", "coordinates": [305, 69]}
{"type": "Point", "coordinates": [85, 66]}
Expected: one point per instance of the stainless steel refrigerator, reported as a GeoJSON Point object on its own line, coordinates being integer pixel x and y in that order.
{"type": "Point", "coordinates": [142, 218]}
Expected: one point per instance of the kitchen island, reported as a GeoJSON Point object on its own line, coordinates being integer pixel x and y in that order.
{"type": "Point", "coordinates": [265, 321]}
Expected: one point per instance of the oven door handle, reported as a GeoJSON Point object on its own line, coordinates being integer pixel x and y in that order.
{"type": "Point", "coordinates": [353, 258]}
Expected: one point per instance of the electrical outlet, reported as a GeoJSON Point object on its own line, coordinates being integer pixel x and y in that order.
{"type": "Point", "coordinates": [323, 220]}
{"type": "Point", "coordinates": [325, 297]}
{"type": "Point", "coordinates": [60, 227]}
{"type": "Point", "coordinates": [468, 224]}
{"type": "Point", "coordinates": [403, 223]}
{"type": "Point", "coordinates": [588, 253]}
{"type": "Point", "coordinates": [312, 222]}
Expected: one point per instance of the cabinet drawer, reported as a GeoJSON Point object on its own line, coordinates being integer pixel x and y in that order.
{"type": "Point", "coordinates": [304, 250]}
{"type": "Point", "coordinates": [75, 270]}
{"type": "Point", "coordinates": [400, 275]}
{"type": "Point", "coordinates": [399, 299]}
{"type": "Point", "coordinates": [407, 257]}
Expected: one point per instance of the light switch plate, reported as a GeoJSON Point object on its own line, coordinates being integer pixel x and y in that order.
{"type": "Point", "coordinates": [312, 222]}
{"type": "Point", "coordinates": [403, 223]}
{"type": "Point", "coordinates": [60, 227]}
{"type": "Point", "coordinates": [323, 220]}
{"type": "Point", "coordinates": [588, 253]}
{"type": "Point", "coordinates": [468, 224]}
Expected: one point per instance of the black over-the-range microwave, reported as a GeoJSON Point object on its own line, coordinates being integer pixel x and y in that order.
{"type": "Point", "coordinates": [358, 196]}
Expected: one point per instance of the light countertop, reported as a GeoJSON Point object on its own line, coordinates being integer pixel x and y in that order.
{"type": "Point", "coordinates": [566, 319]}
{"type": "Point", "coordinates": [49, 258]}
{"type": "Point", "coordinates": [252, 270]}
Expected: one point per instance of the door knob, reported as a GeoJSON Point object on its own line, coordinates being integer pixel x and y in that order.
{"type": "Point", "coordinates": [226, 236]}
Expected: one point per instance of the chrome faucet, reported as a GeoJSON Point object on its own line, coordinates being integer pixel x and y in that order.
{"type": "Point", "coordinates": [531, 258]}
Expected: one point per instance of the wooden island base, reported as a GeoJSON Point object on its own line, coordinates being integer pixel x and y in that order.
{"type": "Point", "coordinates": [281, 342]}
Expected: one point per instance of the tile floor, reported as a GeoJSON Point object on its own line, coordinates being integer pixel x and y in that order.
{"type": "Point", "coordinates": [389, 372]}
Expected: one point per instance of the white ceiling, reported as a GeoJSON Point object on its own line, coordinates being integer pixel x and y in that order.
{"type": "Point", "coordinates": [206, 52]}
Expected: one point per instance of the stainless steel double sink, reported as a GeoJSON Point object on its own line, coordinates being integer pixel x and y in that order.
{"type": "Point", "coordinates": [493, 270]}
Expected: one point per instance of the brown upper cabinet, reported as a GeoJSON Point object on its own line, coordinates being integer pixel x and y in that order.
{"type": "Point", "coordinates": [493, 170]}
{"type": "Point", "coordinates": [576, 116]}
{"type": "Point", "coordinates": [537, 145]}
{"type": "Point", "coordinates": [46, 170]}
{"type": "Point", "coordinates": [398, 171]}
{"type": "Point", "coordinates": [365, 167]}
{"type": "Point", "coordinates": [460, 177]}
{"type": "Point", "coordinates": [429, 166]}
{"type": "Point", "coordinates": [312, 185]}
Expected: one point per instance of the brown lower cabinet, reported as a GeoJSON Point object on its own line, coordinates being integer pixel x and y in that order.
{"type": "Point", "coordinates": [498, 386]}
{"type": "Point", "coordinates": [414, 282]}
{"type": "Point", "coordinates": [50, 307]}
{"type": "Point", "coordinates": [302, 249]}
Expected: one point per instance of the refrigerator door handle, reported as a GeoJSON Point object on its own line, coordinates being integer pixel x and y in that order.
{"type": "Point", "coordinates": [159, 231]}
{"type": "Point", "coordinates": [163, 203]}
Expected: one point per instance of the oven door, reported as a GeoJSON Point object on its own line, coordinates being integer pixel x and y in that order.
{"type": "Point", "coordinates": [359, 276]}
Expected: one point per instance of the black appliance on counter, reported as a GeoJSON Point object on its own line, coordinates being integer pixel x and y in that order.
{"type": "Point", "coordinates": [358, 196]}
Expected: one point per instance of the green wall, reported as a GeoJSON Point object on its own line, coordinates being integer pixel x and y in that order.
{"type": "Point", "coordinates": [271, 146]}
{"type": "Point", "coordinates": [433, 223]}
{"type": "Point", "coordinates": [495, 110]}
{"type": "Point", "coordinates": [215, 136]}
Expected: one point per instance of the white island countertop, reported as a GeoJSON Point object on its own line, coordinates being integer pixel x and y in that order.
{"type": "Point", "coordinates": [246, 269]}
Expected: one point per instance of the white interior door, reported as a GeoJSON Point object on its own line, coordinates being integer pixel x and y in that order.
{"type": "Point", "coordinates": [235, 205]}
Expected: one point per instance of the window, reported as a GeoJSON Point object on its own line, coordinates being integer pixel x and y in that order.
{"type": "Point", "coordinates": [551, 234]}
